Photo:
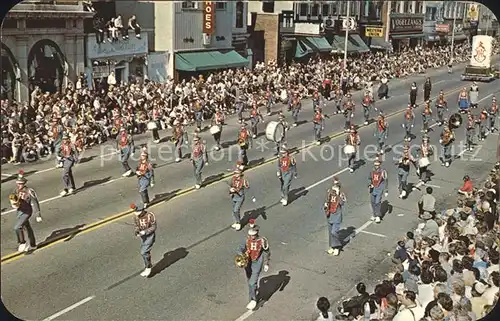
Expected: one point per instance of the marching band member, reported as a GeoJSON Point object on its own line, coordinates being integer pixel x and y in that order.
{"type": "Point", "coordinates": [237, 191]}
{"type": "Point", "coordinates": [57, 134]}
{"type": "Point", "coordinates": [377, 186]}
{"type": "Point", "coordinates": [23, 213]}
{"type": "Point", "coordinates": [145, 228]}
{"type": "Point", "coordinates": [239, 101]}
{"type": "Point", "coordinates": [338, 99]}
{"type": "Point", "coordinates": [156, 118]}
{"type": "Point", "coordinates": [252, 225]}
{"type": "Point", "coordinates": [469, 132]}
{"type": "Point", "coordinates": [349, 108]}
{"type": "Point", "coordinates": [257, 250]}
{"type": "Point", "coordinates": [317, 100]}
{"type": "Point", "coordinates": [404, 171]}
{"type": "Point", "coordinates": [67, 155]}
{"type": "Point", "coordinates": [367, 103]}
{"type": "Point", "coordinates": [423, 151]}
{"type": "Point", "coordinates": [426, 117]}
{"type": "Point", "coordinates": [287, 170]}
{"type": "Point", "coordinates": [353, 140]}
{"type": "Point", "coordinates": [281, 119]}
{"type": "Point", "coordinates": [125, 146]}
{"type": "Point", "coordinates": [255, 117]}
{"type": "Point", "coordinates": [28, 194]}
{"type": "Point", "coordinates": [290, 96]}
{"type": "Point", "coordinates": [79, 144]}
{"type": "Point", "coordinates": [427, 89]}
{"type": "Point", "coordinates": [334, 203]}
{"type": "Point", "coordinates": [381, 132]}
{"type": "Point", "coordinates": [447, 138]}
{"type": "Point", "coordinates": [269, 100]}
{"type": "Point", "coordinates": [463, 100]}
{"type": "Point", "coordinates": [296, 107]}
{"type": "Point", "coordinates": [146, 177]}
{"type": "Point", "coordinates": [441, 105]}
{"type": "Point", "coordinates": [493, 114]}
{"type": "Point", "coordinates": [179, 136]}
{"type": "Point", "coordinates": [199, 157]}
{"type": "Point", "coordinates": [198, 113]}
{"type": "Point", "coordinates": [244, 142]}
{"type": "Point", "coordinates": [318, 124]}
{"type": "Point", "coordinates": [409, 121]}
{"type": "Point", "coordinates": [483, 124]}
{"type": "Point", "coordinates": [413, 95]}
{"type": "Point", "coordinates": [218, 120]}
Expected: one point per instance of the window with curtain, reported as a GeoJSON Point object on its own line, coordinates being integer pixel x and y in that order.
{"type": "Point", "coordinates": [315, 10]}
{"type": "Point", "coordinates": [325, 10]}
{"type": "Point", "coordinates": [303, 9]}
{"type": "Point", "coordinates": [239, 14]}
{"type": "Point", "coordinates": [189, 5]}
{"type": "Point", "coordinates": [406, 7]}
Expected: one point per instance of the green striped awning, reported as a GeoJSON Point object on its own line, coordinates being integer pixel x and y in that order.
{"type": "Point", "coordinates": [358, 43]}
{"type": "Point", "coordinates": [319, 44]}
{"type": "Point", "coordinates": [303, 49]}
{"type": "Point", "coordinates": [409, 35]}
{"type": "Point", "coordinates": [209, 60]}
{"type": "Point", "coordinates": [340, 44]}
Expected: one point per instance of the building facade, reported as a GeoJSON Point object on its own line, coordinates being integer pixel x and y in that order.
{"type": "Point", "coordinates": [192, 36]}
{"type": "Point", "coordinates": [439, 20]}
{"type": "Point", "coordinates": [42, 45]}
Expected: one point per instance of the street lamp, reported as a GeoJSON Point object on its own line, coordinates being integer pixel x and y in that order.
{"type": "Point", "coordinates": [453, 32]}
{"type": "Point", "coordinates": [345, 42]}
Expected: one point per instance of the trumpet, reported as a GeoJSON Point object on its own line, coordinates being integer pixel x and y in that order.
{"type": "Point", "coordinates": [241, 260]}
{"type": "Point", "coordinates": [114, 131]}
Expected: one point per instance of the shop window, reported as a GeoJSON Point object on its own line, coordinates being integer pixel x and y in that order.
{"type": "Point", "coordinates": [220, 5]}
{"type": "Point", "coordinates": [406, 6]}
{"type": "Point", "coordinates": [46, 66]}
{"type": "Point", "coordinates": [303, 9]}
{"type": "Point", "coordinates": [268, 6]}
{"type": "Point", "coordinates": [325, 10]}
{"type": "Point", "coordinates": [239, 14]}
{"type": "Point", "coordinates": [315, 10]}
{"type": "Point", "coordinates": [189, 5]}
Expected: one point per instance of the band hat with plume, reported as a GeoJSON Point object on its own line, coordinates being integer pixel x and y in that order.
{"type": "Point", "coordinates": [137, 208]}
{"type": "Point", "coordinates": [20, 177]}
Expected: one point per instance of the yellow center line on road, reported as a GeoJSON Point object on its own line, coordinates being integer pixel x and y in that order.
{"type": "Point", "coordinates": [113, 218]}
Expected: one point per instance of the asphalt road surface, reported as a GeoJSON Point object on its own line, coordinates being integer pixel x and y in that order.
{"type": "Point", "coordinates": [95, 274]}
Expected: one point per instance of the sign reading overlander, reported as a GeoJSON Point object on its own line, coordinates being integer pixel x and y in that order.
{"type": "Point", "coordinates": [407, 24]}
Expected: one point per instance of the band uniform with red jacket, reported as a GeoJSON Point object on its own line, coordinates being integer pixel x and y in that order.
{"type": "Point", "coordinates": [125, 146]}
{"type": "Point", "coordinates": [218, 120]}
{"type": "Point", "coordinates": [179, 137]}
{"type": "Point", "coordinates": [145, 229]}
{"type": "Point", "coordinates": [255, 118]}
{"type": "Point", "coordinates": [68, 158]}
{"type": "Point", "coordinates": [199, 157]}
{"type": "Point", "coordinates": [318, 124]}
{"type": "Point", "coordinates": [244, 143]}
{"type": "Point", "coordinates": [257, 249]}
{"type": "Point", "coordinates": [493, 114]}
{"type": "Point", "coordinates": [367, 104]}
{"type": "Point", "coordinates": [145, 176]}
{"type": "Point", "coordinates": [352, 139]}
{"type": "Point", "coordinates": [237, 191]}
{"type": "Point", "coordinates": [23, 213]}
{"type": "Point", "coordinates": [381, 133]}
{"type": "Point", "coordinates": [377, 185]}
{"type": "Point", "coordinates": [287, 170]}
{"type": "Point", "coordinates": [333, 206]}
{"type": "Point", "coordinates": [408, 122]}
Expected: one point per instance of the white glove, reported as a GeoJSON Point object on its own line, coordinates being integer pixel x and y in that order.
{"type": "Point", "coordinates": [38, 219]}
{"type": "Point", "coordinates": [206, 163]}
{"type": "Point", "coordinates": [403, 125]}
{"type": "Point", "coordinates": [266, 268]}
{"type": "Point", "coordinates": [152, 184]}
{"type": "Point", "coordinates": [278, 174]}
{"type": "Point", "coordinates": [137, 173]}
{"type": "Point", "coordinates": [352, 115]}
{"type": "Point", "coordinates": [411, 125]}
{"type": "Point", "coordinates": [232, 190]}
{"type": "Point", "coordinates": [386, 194]}
{"type": "Point", "coordinates": [440, 141]}
{"type": "Point", "coordinates": [142, 233]}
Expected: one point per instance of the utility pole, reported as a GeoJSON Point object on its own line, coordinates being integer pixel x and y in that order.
{"type": "Point", "coordinates": [453, 32]}
{"type": "Point", "coordinates": [344, 67]}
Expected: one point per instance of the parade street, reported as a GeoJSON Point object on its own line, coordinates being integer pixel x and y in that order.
{"type": "Point", "coordinates": [102, 192]}
{"type": "Point", "coordinates": [95, 275]}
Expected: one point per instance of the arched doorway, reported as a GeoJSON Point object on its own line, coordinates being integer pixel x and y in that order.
{"type": "Point", "coordinates": [9, 67]}
{"type": "Point", "coordinates": [46, 66]}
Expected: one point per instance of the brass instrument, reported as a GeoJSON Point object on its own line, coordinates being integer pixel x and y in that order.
{"type": "Point", "coordinates": [455, 121]}
{"type": "Point", "coordinates": [114, 131]}
{"type": "Point", "coordinates": [241, 260]}
{"type": "Point", "coordinates": [14, 200]}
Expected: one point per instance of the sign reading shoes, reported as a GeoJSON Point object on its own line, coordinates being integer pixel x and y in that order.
{"type": "Point", "coordinates": [208, 17]}
{"type": "Point", "coordinates": [407, 24]}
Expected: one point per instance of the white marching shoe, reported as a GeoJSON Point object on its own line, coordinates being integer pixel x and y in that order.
{"type": "Point", "coordinates": [333, 252]}
{"type": "Point", "coordinates": [351, 170]}
{"type": "Point", "coordinates": [403, 194]}
{"type": "Point", "coordinates": [251, 305]}
{"type": "Point", "coordinates": [146, 272]}
{"type": "Point", "coordinates": [377, 219]}
{"type": "Point", "coordinates": [127, 173]}
{"type": "Point", "coordinates": [236, 226]}
{"type": "Point", "coordinates": [254, 136]}
{"type": "Point", "coordinates": [177, 160]}
{"type": "Point", "coordinates": [22, 247]}
{"type": "Point", "coordinates": [366, 123]}
{"type": "Point", "coordinates": [63, 193]}
{"type": "Point", "coordinates": [70, 191]}
{"type": "Point", "coordinates": [447, 164]}
{"type": "Point", "coordinates": [372, 218]}
{"type": "Point", "coordinates": [284, 202]}
{"type": "Point", "coordinates": [197, 186]}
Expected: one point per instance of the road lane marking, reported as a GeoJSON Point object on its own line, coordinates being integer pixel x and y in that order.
{"type": "Point", "coordinates": [8, 175]}
{"type": "Point", "coordinates": [372, 233]}
{"type": "Point", "coordinates": [480, 100]}
{"type": "Point", "coordinates": [71, 307]}
{"type": "Point", "coordinates": [326, 179]}
{"type": "Point", "coordinates": [431, 185]}
{"type": "Point", "coordinates": [110, 219]}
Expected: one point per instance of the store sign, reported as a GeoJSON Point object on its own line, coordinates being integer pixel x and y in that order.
{"type": "Point", "coordinates": [374, 32]}
{"type": "Point", "coordinates": [208, 17]}
{"type": "Point", "coordinates": [407, 24]}
{"type": "Point", "coordinates": [129, 47]}
{"type": "Point", "coordinates": [473, 12]}
{"type": "Point", "coordinates": [304, 28]}
{"type": "Point", "coordinates": [442, 28]}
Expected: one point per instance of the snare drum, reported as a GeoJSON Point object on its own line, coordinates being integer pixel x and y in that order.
{"type": "Point", "coordinates": [215, 129]}
{"type": "Point", "coordinates": [424, 162]}
{"type": "Point", "coordinates": [152, 125]}
{"type": "Point", "coordinates": [275, 131]}
{"type": "Point", "coordinates": [349, 150]}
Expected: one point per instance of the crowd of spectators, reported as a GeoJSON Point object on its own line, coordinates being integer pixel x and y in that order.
{"type": "Point", "coordinates": [93, 113]}
{"type": "Point", "coordinates": [445, 270]}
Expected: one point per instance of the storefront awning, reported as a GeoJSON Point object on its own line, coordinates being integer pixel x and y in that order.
{"type": "Point", "coordinates": [339, 43]}
{"type": "Point", "coordinates": [358, 43]}
{"type": "Point", "coordinates": [303, 49]}
{"type": "Point", "coordinates": [409, 35]}
{"type": "Point", "coordinates": [209, 60]}
{"type": "Point", "coordinates": [319, 44]}
{"type": "Point", "coordinates": [380, 43]}
{"type": "Point", "coordinates": [458, 37]}
{"type": "Point", "coordinates": [432, 38]}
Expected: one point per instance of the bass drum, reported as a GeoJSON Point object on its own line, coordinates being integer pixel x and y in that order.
{"type": "Point", "coordinates": [423, 162]}
{"type": "Point", "coordinates": [275, 131]}
{"type": "Point", "coordinates": [349, 149]}
{"type": "Point", "coordinates": [215, 129]}
{"type": "Point", "coordinates": [152, 125]}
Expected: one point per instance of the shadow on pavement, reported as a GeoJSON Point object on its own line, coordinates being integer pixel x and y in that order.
{"type": "Point", "coordinates": [14, 177]}
{"type": "Point", "coordinates": [345, 235]}
{"type": "Point", "coordinates": [86, 159]}
{"type": "Point", "coordinates": [385, 208]}
{"type": "Point", "coordinates": [359, 163]}
{"type": "Point", "coordinates": [164, 196]}
{"type": "Point", "coordinates": [89, 184]}
{"type": "Point", "coordinates": [256, 162]}
{"type": "Point", "coordinates": [271, 284]}
{"type": "Point", "coordinates": [169, 258]}
{"type": "Point", "coordinates": [59, 234]}
{"type": "Point", "coordinates": [297, 193]}
{"type": "Point", "coordinates": [255, 214]}
{"type": "Point", "coordinates": [212, 178]}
